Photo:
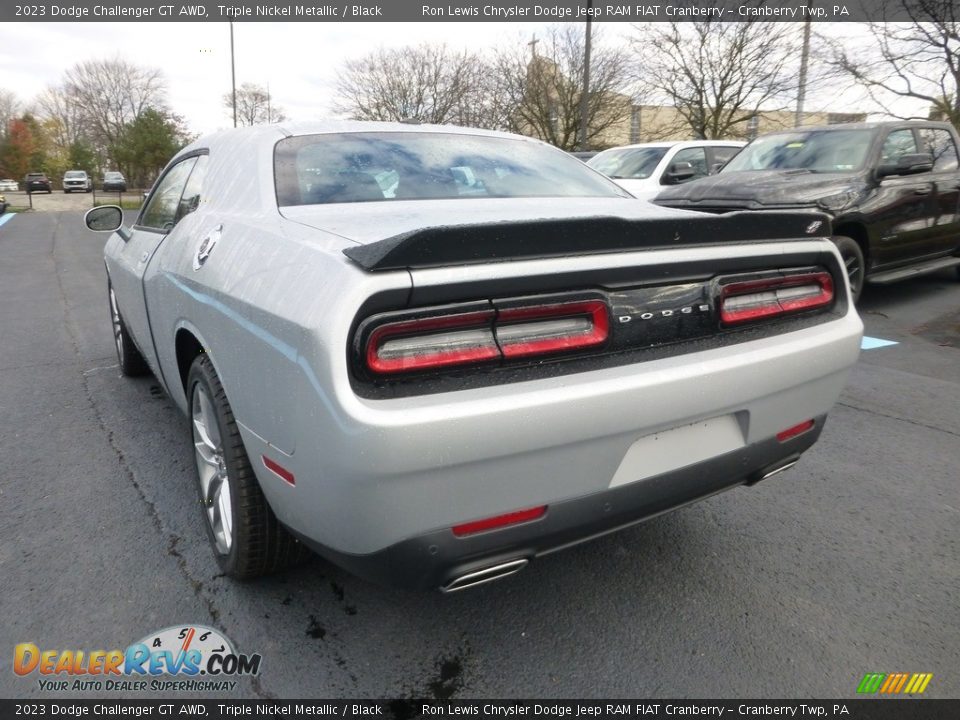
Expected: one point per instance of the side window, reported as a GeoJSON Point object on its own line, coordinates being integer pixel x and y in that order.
{"type": "Point", "coordinates": [190, 200]}
{"type": "Point", "coordinates": [696, 157]}
{"type": "Point", "coordinates": [897, 144]}
{"type": "Point", "coordinates": [939, 143]}
{"type": "Point", "coordinates": [722, 155]}
{"type": "Point", "coordinates": [164, 202]}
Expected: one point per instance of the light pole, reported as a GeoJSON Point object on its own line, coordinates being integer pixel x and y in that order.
{"type": "Point", "coordinates": [233, 77]}
{"type": "Point", "coordinates": [804, 57]}
{"type": "Point", "coordinates": [585, 94]}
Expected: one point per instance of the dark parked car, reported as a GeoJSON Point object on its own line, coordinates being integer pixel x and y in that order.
{"type": "Point", "coordinates": [37, 181]}
{"type": "Point", "coordinates": [114, 182]}
{"type": "Point", "coordinates": [893, 190]}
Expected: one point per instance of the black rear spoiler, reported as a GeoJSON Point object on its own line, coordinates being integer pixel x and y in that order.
{"type": "Point", "coordinates": [530, 239]}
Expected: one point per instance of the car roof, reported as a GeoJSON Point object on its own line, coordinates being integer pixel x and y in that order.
{"type": "Point", "coordinates": [863, 126]}
{"type": "Point", "coordinates": [279, 131]}
{"type": "Point", "coordinates": [682, 144]}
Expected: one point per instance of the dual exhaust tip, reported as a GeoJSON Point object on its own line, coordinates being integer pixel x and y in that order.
{"type": "Point", "coordinates": [485, 575]}
{"type": "Point", "coordinates": [511, 567]}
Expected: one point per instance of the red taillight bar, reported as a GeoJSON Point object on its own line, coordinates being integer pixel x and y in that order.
{"type": "Point", "coordinates": [513, 332]}
{"type": "Point", "coordinates": [593, 332]}
{"type": "Point", "coordinates": [439, 348]}
{"type": "Point", "coordinates": [758, 299]}
{"type": "Point", "coordinates": [499, 521]}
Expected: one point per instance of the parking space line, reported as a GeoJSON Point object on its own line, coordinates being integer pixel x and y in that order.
{"type": "Point", "coordinates": [5, 218]}
{"type": "Point", "coordinates": [871, 343]}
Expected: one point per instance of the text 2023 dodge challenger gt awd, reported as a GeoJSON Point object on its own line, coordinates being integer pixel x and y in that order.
{"type": "Point", "coordinates": [432, 354]}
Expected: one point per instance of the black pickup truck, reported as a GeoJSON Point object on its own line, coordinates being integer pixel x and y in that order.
{"type": "Point", "coordinates": [893, 189]}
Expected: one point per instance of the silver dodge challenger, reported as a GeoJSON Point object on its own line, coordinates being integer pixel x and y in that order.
{"type": "Point", "coordinates": [432, 354]}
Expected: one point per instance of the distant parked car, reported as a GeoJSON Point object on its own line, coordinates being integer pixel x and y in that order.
{"type": "Point", "coordinates": [3, 204]}
{"type": "Point", "coordinates": [891, 188]}
{"type": "Point", "coordinates": [77, 180]}
{"type": "Point", "coordinates": [8, 185]}
{"type": "Point", "coordinates": [645, 169]}
{"type": "Point", "coordinates": [37, 181]}
{"type": "Point", "coordinates": [114, 182]}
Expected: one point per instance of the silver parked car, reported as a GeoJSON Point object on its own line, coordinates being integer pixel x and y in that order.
{"type": "Point", "coordinates": [432, 354]}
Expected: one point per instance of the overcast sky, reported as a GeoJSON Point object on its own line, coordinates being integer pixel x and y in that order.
{"type": "Point", "coordinates": [297, 60]}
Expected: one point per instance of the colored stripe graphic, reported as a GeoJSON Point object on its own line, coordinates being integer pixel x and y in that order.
{"type": "Point", "coordinates": [894, 683]}
{"type": "Point", "coordinates": [871, 682]}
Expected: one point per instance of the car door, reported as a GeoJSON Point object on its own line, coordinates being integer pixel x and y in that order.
{"type": "Point", "coordinates": [696, 156]}
{"type": "Point", "coordinates": [906, 204]}
{"type": "Point", "coordinates": [128, 265]}
{"type": "Point", "coordinates": [939, 142]}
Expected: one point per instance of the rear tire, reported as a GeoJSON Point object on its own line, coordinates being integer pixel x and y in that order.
{"type": "Point", "coordinates": [247, 539]}
{"type": "Point", "coordinates": [131, 361]}
{"type": "Point", "coordinates": [853, 262]}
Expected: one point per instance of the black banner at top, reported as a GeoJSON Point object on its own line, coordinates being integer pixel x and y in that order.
{"type": "Point", "coordinates": [467, 11]}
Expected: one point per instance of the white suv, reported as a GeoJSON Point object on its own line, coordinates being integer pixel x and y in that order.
{"type": "Point", "coordinates": [644, 170]}
{"type": "Point", "coordinates": [77, 180]}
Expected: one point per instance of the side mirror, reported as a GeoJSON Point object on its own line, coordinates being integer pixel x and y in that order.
{"type": "Point", "coordinates": [908, 165]}
{"type": "Point", "coordinates": [105, 218]}
{"type": "Point", "coordinates": [680, 171]}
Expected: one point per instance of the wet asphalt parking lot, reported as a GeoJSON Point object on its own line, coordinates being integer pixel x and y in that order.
{"type": "Point", "coordinates": [847, 564]}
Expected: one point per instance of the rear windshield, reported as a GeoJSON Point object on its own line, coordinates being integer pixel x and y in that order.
{"type": "Point", "coordinates": [367, 167]}
{"type": "Point", "coordinates": [628, 163]}
{"type": "Point", "coordinates": [827, 151]}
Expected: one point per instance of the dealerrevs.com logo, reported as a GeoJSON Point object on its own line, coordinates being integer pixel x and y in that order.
{"type": "Point", "coordinates": [178, 658]}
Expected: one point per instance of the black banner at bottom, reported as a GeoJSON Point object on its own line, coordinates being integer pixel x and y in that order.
{"type": "Point", "coordinates": [874, 709]}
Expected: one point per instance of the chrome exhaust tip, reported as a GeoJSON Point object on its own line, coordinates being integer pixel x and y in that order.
{"type": "Point", "coordinates": [485, 575]}
{"type": "Point", "coordinates": [776, 470]}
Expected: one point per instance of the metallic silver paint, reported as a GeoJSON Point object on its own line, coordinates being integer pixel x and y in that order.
{"type": "Point", "coordinates": [273, 305]}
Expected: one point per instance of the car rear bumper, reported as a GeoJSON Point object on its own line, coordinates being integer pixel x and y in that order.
{"type": "Point", "coordinates": [373, 476]}
{"type": "Point", "coordinates": [439, 559]}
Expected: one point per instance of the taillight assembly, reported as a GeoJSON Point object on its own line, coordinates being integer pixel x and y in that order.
{"type": "Point", "coordinates": [749, 300]}
{"type": "Point", "coordinates": [439, 341]}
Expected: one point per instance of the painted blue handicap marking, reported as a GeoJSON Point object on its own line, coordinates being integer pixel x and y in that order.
{"type": "Point", "coordinates": [870, 343]}
{"type": "Point", "coordinates": [6, 217]}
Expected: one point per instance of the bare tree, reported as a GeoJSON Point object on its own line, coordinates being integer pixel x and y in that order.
{"type": "Point", "coordinates": [63, 118]}
{"type": "Point", "coordinates": [428, 83]}
{"type": "Point", "coordinates": [254, 105]}
{"type": "Point", "coordinates": [10, 107]}
{"type": "Point", "coordinates": [542, 85]}
{"type": "Point", "coordinates": [109, 94]}
{"type": "Point", "coordinates": [718, 75]}
{"type": "Point", "coordinates": [917, 59]}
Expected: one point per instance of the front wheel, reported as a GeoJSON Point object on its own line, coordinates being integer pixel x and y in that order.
{"type": "Point", "coordinates": [131, 361]}
{"type": "Point", "coordinates": [246, 536]}
{"type": "Point", "coordinates": [853, 263]}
